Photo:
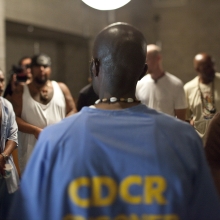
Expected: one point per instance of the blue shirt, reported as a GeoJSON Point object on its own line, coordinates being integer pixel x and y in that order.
{"type": "Point", "coordinates": [9, 130]}
{"type": "Point", "coordinates": [133, 163]}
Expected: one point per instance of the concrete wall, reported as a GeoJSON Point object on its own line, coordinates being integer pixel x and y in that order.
{"type": "Point", "coordinates": [67, 15]}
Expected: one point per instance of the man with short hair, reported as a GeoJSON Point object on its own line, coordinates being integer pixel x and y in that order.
{"type": "Point", "coordinates": [8, 143]}
{"type": "Point", "coordinates": [22, 77]}
{"type": "Point", "coordinates": [41, 103]}
{"type": "Point", "coordinates": [159, 89]}
{"type": "Point", "coordinates": [118, 159]}
{"type": "Point", "coordinates": [203, 94]}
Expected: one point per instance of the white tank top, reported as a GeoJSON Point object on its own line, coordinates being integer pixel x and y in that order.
{"type": "Point", "coordinates": [39, 115]}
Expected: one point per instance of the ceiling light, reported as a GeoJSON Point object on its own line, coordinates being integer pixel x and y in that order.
{"type": "Point", "coordinates": [106, 4]}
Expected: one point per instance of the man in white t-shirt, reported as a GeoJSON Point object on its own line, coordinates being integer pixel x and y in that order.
{"type": "Point", "coordinates": [203, 94]}
{"type": "Point", "coordinates": [161, 90]}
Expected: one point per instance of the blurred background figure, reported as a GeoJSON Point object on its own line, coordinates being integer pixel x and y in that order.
{"type": "Point", "coordinates": [159, 89]}
{"type": "Point", "coordinates": [25, 63]}
{"type": "Point", "coordinates": [203, 94]}
{"type": "Point", "coordinates": [8, 181]}
{"type": "Point", "coordinates": [21, 74]}
{"type": "Point", "coordinates": [38, 104]}
{"type": "Point", "coordinates": [212, 149]}
{"type": "Point", "coordinates": [87, 96]}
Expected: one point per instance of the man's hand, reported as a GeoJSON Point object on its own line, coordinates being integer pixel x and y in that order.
{"type": "Point", "coordinates": [192, 122]}
{"type": "Point", "coordinates": [2, 165]}
{"type": "Point", "coordinates": [37, 132]}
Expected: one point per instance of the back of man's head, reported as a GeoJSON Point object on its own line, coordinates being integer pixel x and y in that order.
{"type": "Point", "coordinates": [153, 49]}
{"type": "Point", "coordinates": [120, 50]}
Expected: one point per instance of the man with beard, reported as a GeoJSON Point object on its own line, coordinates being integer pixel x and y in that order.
{"type": "Point", "coordinates": [203, 94]}
{"type": "Point", "coordinates": [41, 103]}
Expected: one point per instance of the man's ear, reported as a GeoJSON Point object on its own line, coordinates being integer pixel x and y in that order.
{"type": "Point", "coordinates": [97, 64]}
{"type": "Point", "coordinates": [144, 72]}
{"type": "Point", "coordinates": [95, 67]}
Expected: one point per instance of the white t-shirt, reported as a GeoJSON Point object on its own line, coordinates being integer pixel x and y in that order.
{"type": "Point", "coordinates": [165, 95]}
{"type": "Point", "coordinates": [196, 110]}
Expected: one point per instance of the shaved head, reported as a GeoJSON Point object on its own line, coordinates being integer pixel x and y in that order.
{"type": "Point", "coordinates": [153, 49]}
{"type": "Point", "coordinates": [204, 66]}
{"type": "Point", "coordinates": [201, 58]}
{"type": "Point", "coordinates": [154, 61]}
{"type": "Point", "coordinates": [119, 52]}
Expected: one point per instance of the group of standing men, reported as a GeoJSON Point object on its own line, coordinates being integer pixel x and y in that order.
{"type": "Point", "coordinates": [197, 102]}
{"type": "Point", "coordinates": [37, 102]}
{"type": "Point", "coordinates": [164, 92]}
{"type": "Point", "coordinates": [42, 102]}
{"type": "Point", "coordinates": [118, 159]}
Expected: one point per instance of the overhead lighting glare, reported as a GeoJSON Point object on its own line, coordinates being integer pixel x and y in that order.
{"type": "Point", "coordinates": [106, 4]}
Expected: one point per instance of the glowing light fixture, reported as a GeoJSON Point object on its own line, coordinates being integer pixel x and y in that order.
{"type": "Point", "coordinates": [106, 4]}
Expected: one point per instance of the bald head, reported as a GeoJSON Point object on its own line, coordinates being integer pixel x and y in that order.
{"type": "Point", "coordinates": [120, 53]}
{"type": "Point", "coordinates": [154, 60]}
{"type": "Point", "coordinates": [153, 49]}
{"type": "Point", "coordinates": [204, 66]}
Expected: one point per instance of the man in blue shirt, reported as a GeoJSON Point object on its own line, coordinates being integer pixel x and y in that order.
{"type": "Point", "coordinates": [117, 159]}
{"type": "Point", "coordinates": [8, 136]}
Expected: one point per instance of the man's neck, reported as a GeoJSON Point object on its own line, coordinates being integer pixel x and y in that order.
{"type": "Point", "coordinates": [157, 75]}
{"type": "Point", "coordinates": [39, 85]}
{"type": "Point", "coordinates": [203, 81]}
{"type": "Point", "coordinates": [116, 105]}
{"type": "Point", "coordinates": [116, 102]}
